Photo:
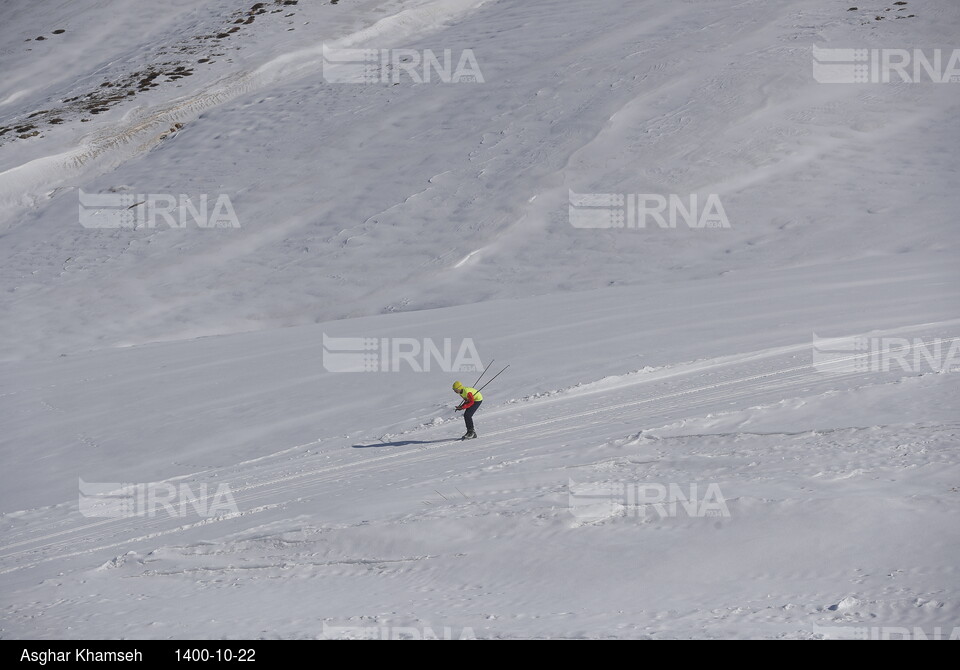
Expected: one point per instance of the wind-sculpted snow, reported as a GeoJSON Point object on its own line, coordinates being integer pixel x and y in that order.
{"type": "Point", "coordinates": [110, 147]}
{"type": "Point", "coordinates": [461, 192]}
{"type": "Point", "coordinates": [744, 425]}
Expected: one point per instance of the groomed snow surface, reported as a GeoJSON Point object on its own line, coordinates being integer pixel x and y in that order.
{"type": "Point", "coordinates": [680, 447]}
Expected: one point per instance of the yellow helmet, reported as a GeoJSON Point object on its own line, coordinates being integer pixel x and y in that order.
{"type": "Point", "coordinates": [457, 386]}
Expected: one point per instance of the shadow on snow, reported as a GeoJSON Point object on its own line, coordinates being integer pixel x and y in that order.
{"type": "Point", "coordinates": [401, 443]}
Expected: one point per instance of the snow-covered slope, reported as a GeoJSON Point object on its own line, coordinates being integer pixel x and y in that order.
{"type": "Point", "coordinates": [352, 513]}
{"type": "Point", "coordinates": [641, 360]}
{"type": "Point", "coordinates": [360, 199]}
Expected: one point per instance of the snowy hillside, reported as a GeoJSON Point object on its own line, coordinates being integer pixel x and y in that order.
{"type": "Point", "coordinates": [681, 446]}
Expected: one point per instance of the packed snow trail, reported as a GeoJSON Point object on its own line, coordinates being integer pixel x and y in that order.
{"type": "Point", "coordinates": [297, 475]}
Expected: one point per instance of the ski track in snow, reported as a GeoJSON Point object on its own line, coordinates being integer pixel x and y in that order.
{"type": "Point", "coordinates": [39, 542]}
{"type": "Point", "coordinates": [638, 356]}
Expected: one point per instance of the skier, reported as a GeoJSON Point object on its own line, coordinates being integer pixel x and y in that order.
{"type": "Point", "coordinates": [471, 403]}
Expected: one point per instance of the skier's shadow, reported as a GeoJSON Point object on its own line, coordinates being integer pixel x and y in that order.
{"type": "Point", "coordinates": [399, 443]}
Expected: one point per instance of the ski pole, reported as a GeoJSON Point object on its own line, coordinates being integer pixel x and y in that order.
{"type": "Point", "coordinates": [491, 379]}
{"type": "Point", "coordinates": [483, 373]}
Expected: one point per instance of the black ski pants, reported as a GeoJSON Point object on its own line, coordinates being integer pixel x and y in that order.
{"type": "Point", "coordinates": [468, 415]}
